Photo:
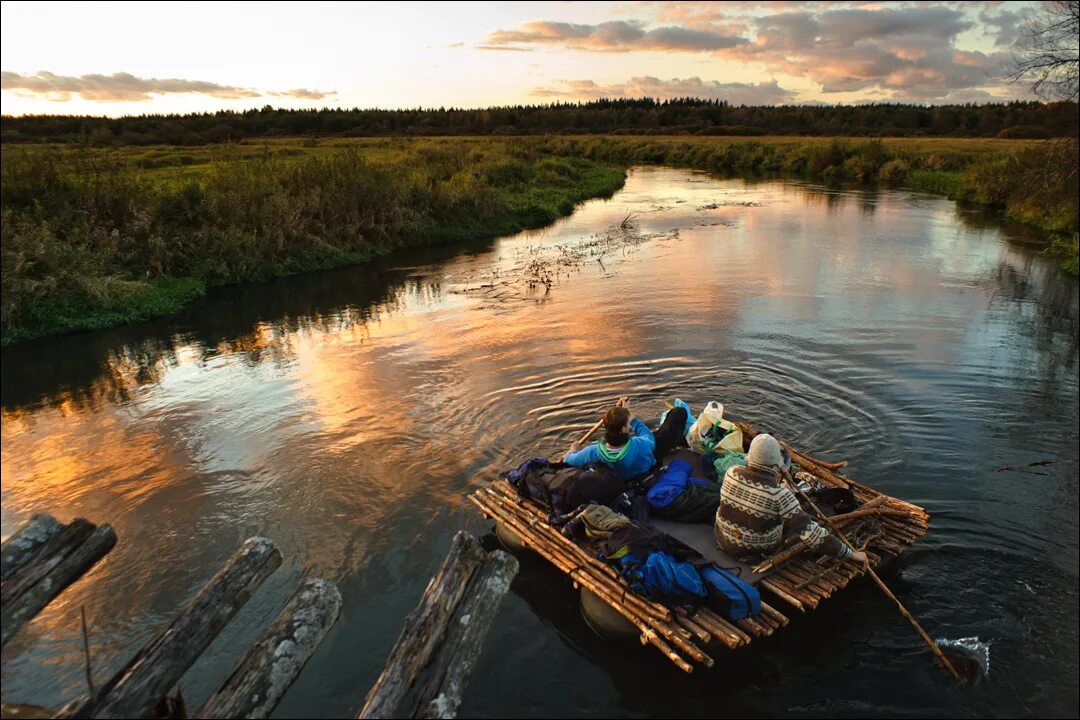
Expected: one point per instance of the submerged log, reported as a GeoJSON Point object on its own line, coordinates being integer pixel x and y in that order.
{"type": "Point", "coordinates": [26, 541]}
{"type": "Point", "coordinates": [274, 661]}
{"type": "Point", "coordinates": [424, 628]}
{"type": "Point", "coordinates": [440, 696]}
{"type": "Point", "coordinates": [138, 687]}
{"type": "Point", "coordinates": [58, 562]}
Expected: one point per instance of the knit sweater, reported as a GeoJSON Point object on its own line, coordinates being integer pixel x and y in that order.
{"type": "Point", "coordinates": [756, 513]}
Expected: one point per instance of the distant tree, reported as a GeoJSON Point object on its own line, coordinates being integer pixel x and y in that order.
{"type": "Point", "coordinates": [1049, 63]}
{"type": "Point", "coordinates": [1049, 57]}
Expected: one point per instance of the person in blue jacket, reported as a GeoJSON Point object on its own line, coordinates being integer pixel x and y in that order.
{"type": "Point", "coordinates": [629, 447]}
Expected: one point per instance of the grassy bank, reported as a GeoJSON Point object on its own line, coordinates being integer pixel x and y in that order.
{"type": "Point", "coordinates": [94, 238]}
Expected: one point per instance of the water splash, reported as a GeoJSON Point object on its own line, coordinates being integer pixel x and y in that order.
{"type": "Point", "coordinates": [973, 655]}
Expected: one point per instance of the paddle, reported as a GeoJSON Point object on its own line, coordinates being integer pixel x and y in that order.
{"type": "Point", "coordinates": [585, 438]}
{"type": "Point", "coordinates": [880, 583]}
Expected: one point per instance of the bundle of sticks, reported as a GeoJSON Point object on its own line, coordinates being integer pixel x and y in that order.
{"type": "Point", "coordinates": [678, 633]}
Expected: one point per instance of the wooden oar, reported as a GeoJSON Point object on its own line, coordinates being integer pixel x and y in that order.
{"type": "Point", "coordinates": [903, 610]}
{"type": "Point", "coordinates": [585, 438]}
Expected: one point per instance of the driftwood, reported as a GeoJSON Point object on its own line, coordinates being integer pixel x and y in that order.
{"type": "Point", "coordinates": [440, 696]}
{"type": "Point", "coordinates": [26, 541]}
{"type": "Point", "coordinates": [424, 628]}
{"type": "Point", "coordinates": [274, 661]}
{"type": "Point", "coordinates": [55, 563]}
{"type": "Point", "coordinates": [50, 554]}
{"type": "Point", "coordinates": [137, 688]}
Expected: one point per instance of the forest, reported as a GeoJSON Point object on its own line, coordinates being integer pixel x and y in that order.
{"type": "Point", "coordinates": [685, 116]}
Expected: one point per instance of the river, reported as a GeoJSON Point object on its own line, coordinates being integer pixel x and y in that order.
{"type": "Point", "coordinates": [346, 414]}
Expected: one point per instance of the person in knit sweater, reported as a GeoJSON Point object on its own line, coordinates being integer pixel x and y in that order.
{"type": "Point", "coordinates": [758, 512]}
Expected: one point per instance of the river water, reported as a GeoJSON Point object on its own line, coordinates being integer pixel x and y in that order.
{"type": "Point", "coordinates": [347, 414]}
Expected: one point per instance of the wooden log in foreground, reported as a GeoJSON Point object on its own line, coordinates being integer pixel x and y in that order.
{"type": "Point", "coordinates": [26, 541]}
{"type": "Point", "coordinates": [57, 562]}
{"type": "Point", "coordinates": [143, 682]}
{"type": "Point", "coordinates": [424, 628]}
{"type": "Point", "coordinates": [440, 696]}
{"type": "Point", "coordinates": [274, 661]}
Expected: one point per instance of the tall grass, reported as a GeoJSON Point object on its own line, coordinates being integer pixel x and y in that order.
{"type": "Point", "coordinates": [90, 239]}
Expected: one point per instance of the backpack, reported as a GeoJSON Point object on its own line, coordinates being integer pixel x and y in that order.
{"type": "Point", "coordinates": [563, 488]}
{"type": "Point", "coordinates": [670, 484]}
{"type": "Point", "coordinates": [663, 577]}
{"type": "Point", "coordinates": [732, 598]}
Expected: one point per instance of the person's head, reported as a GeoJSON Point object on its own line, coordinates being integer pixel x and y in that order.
{"type": "Point", "coordinates": [765, 452]}
{"type": "Point", "coordinates": [617, 426]}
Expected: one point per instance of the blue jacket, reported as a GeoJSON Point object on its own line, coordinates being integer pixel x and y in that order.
{"type": "Point", "coordinates": [633, 459]}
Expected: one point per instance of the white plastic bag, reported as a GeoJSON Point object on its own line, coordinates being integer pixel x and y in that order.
{"type": "Point", "coordinates": [701, 437]}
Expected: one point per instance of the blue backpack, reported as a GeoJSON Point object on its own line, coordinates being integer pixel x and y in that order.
{"type": "Point", "coordinates": [663, 577]}
{"type": "Point", "coordinates": [672, 483]}
{"type": "Point", "coordinates": [731, 597]}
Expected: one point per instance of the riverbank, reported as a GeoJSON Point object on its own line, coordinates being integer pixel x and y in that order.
{"type": "Point", "coordinates": [100, 237]}
{"type": "Point", "coordinates": [1025, 180]}
{"type": "Point", "coordinates": [94, 239]}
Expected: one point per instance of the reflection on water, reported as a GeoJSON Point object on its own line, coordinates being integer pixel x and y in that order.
{"type": "Point", "coordinates": [346, 413]}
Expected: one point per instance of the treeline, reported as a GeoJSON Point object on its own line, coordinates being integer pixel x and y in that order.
{"type": "Point", "coordinates": [686, 116]}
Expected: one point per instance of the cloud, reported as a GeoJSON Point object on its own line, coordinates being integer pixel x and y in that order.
{"type": "Point", "coordinates": [502, 48]}
{"type": "Point", "coordinates": [889, 51]}
{"type": "Point", "coordinates": [1007, 26]}
{"type": "Point", "coordinates": [735, 93]}
{"type": "Point", "coordinates": [125, 87]}
{"type": "Point", "coordinates": [118, 87]}
{"type": "Point", "coordinates": [304, 94]}
{"type": "Point", "coordinates": [909, 52]}
{"type": "Point", "coordinates": [614, 36]}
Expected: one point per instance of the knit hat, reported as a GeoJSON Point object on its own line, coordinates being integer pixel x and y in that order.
{"type": "Point", "coordinates": [765, 452]}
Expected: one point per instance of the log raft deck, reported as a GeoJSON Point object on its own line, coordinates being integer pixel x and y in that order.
{"type": "Point", "coordinates": [796, 580]}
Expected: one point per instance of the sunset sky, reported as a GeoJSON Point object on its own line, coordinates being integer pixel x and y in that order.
{"type": "Point", "coordinates": [135, 58]}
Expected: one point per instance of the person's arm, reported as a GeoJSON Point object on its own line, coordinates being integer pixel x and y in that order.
{"type": "Point", "coordinates": [642, 434]}
{"type": "Point", "coordinates": [818, 539]}
{"type": "Point", "coordinates": [581, 458]}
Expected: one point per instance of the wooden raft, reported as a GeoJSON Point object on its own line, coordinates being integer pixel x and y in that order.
{"type": "Point", "coordinates": [799, 579]}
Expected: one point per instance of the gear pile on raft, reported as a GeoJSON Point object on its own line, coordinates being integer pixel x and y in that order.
{"type": "Point", "coordinates": [701, 534]}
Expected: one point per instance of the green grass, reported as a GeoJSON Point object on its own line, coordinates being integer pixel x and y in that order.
{"type": "Point", "coordinates": [95, 238]}
{"type": "Point", "coordinates": [130, 301]}
{"type": "Point", "coordinates": [938, 182]}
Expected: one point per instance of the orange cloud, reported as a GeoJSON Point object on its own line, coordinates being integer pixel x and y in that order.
{"type": "Point", "coordinates": [125, 87]}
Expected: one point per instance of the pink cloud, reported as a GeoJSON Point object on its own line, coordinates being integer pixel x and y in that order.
{"type": "Point", "coordinates": [735, 93]}
{"type": "Point", "coordinates": [125, 87]}
{"type": "Point", "coordinates": [906, 51]}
